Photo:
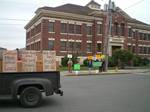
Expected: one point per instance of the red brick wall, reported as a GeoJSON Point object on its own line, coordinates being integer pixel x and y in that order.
{"type": "Point", "coordinates": [45, 35]}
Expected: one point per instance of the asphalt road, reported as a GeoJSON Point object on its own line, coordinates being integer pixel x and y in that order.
{"type": "Point", "coordinates": [109, 93]}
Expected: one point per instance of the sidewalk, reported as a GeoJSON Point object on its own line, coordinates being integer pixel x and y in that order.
{"type": "Point", "coordinates": [109, 72]}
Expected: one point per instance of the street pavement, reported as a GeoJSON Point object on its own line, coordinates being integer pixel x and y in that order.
{"type": "Point", "coordinates": [109, 72]}
{"type": "Point", "coordinates": [95, 93]}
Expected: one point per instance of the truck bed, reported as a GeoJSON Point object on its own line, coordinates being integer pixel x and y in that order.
{"type": "Point", "coordinates": [7, 79]}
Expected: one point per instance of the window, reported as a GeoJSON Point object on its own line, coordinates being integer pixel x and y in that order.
{"type": "Point", "coordinates": [140, 50]}
{"type": "Point", "coordinates": [71, 28]}
{"type": "Point", "coordinates": [122, 29]}
{"type": "Point", "coordinates": [99, 29]}
{"type": "Point", "coordinates": [71, 46]}
{"type": "Point", "coordinates": [116, 29]}
{"type": "Point", "coordinates": [89, 47]}
{"type": "Point", "coordinates": [78, 29]}
{"type": "Point", "coordinates": [149, 51]}
{"type": "Point", "coordinates": [98, 47]}
{"type": "Point", "coordinates": [145, 50]}
{"type": "Point", "coordinates": [145, 36]}
{"type": "Point", "coordinates": [38, 28]}
{"type": "Point", "coordinates": [38, 45]}
{"type": "Point", "coordinates": [77, 46]}
{"type": "Point", "coordinates": [51, 27]}
{"type": "Point", "coordinates": [149, 37]}
{"type": "Point", "coordinates": [134, 34]}
{"type": "Point", "coordinates": [51, 45]}
{"type": "Point", "coordinates": [133, 49]}
{"type": "Point", "coordinates": [32, 32]}
{"type": "Point", "coordinates": [129, 47]}
{"type": "Point", "coordinates": [89, 30]}
{"type": "Point", "coordinates": [130, 32]}
{"type": "Point", "coordinates": [63, 27]}
{"type": "Point", "coordinates": [141, 36]}
{"type": "Point", "coordinates": [63, 45]}
{"type": "Point", "coordinates": [28, 35]}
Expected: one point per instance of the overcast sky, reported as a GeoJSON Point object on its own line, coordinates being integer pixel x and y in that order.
{"type": "Point", "coordinates": [12, 32]}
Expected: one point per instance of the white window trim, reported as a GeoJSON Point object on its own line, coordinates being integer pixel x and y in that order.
{"type": "Point", "coordinates": [89, 41]}
{"type": "Point", "coordinates": [99, 41]}
{"type": "Point", "coordinates": [63, 39]}
{"type": "Point", "coordinates": [51, 38]}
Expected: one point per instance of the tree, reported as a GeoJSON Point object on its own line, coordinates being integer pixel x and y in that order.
{"type": "Point", "coordinates": [121, 57]}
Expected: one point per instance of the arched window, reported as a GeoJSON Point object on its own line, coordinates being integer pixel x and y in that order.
{"type": "Point", "coordinates": [122, 29]}
{"type": "Point", "coordinates": [116, 28]}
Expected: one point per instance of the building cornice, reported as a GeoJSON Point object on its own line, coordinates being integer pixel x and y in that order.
{"type": "Point", "coordinates": [139, 26]}
{"type": "Point", "coordinates": [62, 15]}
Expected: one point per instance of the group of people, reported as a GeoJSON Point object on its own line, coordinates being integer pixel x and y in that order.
{"type": "Point", "coordinates": [90, 65]}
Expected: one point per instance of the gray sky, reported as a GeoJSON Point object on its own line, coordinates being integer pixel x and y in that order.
{"type": "Point", "coordinates": [12, 33]}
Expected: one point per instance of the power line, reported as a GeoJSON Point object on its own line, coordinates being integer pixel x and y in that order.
{"type": "Point", "coordinates": [12, 24]}
{"type": "Point", "coordinates": [12, 19]}
{"type": "Point", "coordinates": [134, 4]}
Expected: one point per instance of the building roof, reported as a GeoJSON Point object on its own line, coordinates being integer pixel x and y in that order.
{"type": "Point", "coordinates": [1, 48]}
{"type": "Point", "coordinates": [93, 2]}
{"type": "Point", "coordinates": [70, 8]}
{"type": "Point", "coordinates": [85, 10]}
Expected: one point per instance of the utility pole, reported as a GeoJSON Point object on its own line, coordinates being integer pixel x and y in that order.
{"type": "Point", "coordinates": [108, 29]}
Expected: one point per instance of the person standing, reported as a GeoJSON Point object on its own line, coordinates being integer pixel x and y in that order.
{"type": "Point", "coordinates": [90, 65]}
{"type": "Point", "coordinates": [70, 65]}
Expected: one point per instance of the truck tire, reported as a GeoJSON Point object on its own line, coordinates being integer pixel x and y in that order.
{"type": "Point", "coordinates": [30, 97]}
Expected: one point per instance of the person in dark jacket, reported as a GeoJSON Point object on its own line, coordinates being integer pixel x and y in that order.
{"type": "Point", "coordinates": [90, 65]}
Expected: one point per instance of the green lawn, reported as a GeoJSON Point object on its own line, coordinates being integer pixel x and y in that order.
{"type": "Point", "coordinates": [82, 68]}
{"type": "Point", "coordinates": [110, 68]}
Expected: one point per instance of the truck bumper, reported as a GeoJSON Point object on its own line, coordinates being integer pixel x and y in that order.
{"type": "Point", "coordinates": [59, 92]}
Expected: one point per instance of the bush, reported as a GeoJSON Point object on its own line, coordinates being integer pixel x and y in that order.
{"type": "Point", "coordinates": [64, 61]}
{"type": "Point", "coordinates": [145, 61]}
{"type": "Point", "coordinates": [136, 60]}
{"type": "Point", "coordinates": [122, 57]}
{"type": "Point", "coordinates": [111, 62]}
{"type": "Point", "coordinates": [85, 62]}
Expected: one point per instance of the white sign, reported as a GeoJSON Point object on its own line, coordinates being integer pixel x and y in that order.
{"type": "Point", "coordinates": [49, 61]}
{"type": "Point", "coordinates": [9, 61]}
{"type": "Point", "coordinates": [29, 61]}
{"type": "Point", "coordinates": [69, 55]}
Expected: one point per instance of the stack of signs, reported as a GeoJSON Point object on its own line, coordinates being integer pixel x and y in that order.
{"type": "Point", "coordinates": [49, 61]}
{"type": "Point", "coordinates": [29, 61]}
{"type": "Point", "coordinates": [39, 62]}
{"type": "Point", "coordinates": [10, 61]}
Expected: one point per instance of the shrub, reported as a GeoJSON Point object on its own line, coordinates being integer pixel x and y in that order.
{"type": "Point", "coordinates": [136, 60]}
{"type": "Point", "coordinates": [85, 62]}
{"type": "Point", "coordinates": [122, 57]}
{"type": "Point", "coordinates": [145, 61]}
{"type": "Point", "coordinates": [64, 61]}
{"type": "Point", "coordinates": [111, 62]}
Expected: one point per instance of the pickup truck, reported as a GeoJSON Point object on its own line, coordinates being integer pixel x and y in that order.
{"type": "Point", "coordinates": [28, 87]}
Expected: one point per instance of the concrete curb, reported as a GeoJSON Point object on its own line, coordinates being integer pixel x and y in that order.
{"type": "Point", "coordinates": [95, 74]}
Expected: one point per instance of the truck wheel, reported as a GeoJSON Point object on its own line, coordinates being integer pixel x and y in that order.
{"type": "Point", "coordinates": [30, 97]}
